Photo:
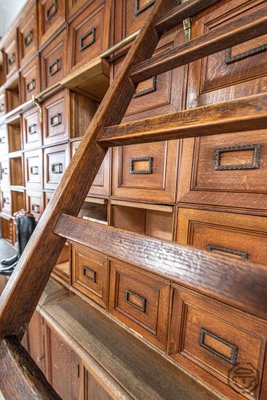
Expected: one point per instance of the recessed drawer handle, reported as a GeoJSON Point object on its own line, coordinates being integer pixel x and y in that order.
{"type": "Point", "coordinates": [254, 164]}
{"type": "Point", "coordinates": [32, 129]}
{"type": "Point", "coordinates": [31, 85]}
{"type": "Point", "coordinates": [4, 171]}
{"type": "Point", "coordinates": [138, 10]}
{"type": "Point", "coordinates": [146, 161]}
{"type": "Point", "coordinates": [34, 170]}
{"type": "Point", "coordinates": [2, 107]}
{"type": "Point", "coordinates": [219, 249]}
{"type": "Point", "coordinates": [3, 140]}
{"type": "Point", "coordinates": [234, 349]}
{"type": "Point", "coordinates": [151, 89]}
{"type": "Point", "coordinates": [6, 200]}
{"type": "Point", "coordinates": [12, 59]}
{"type": "Point", "coordinates": [28, 39]}
{"type": "Point", "coordinates": [51, 10]}
{"type": "Point", "coordinates": [36, 208]}
{"type": "Point", "coordinates": [89, 274]}
{"type": "Point", "coordinates": [85, 44]}
{"type": "Point", "coordinates": [135, 300]}
{"type": "Point", "coordinates": [54, 67]}
{"type": "Point", "coordinates": [56, 120]}
{"type": "Point", "coordinates": [57, 168]}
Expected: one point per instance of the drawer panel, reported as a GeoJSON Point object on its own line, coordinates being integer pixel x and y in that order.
{"type": "Point", "coordinates": [55, 118]}
{"type": "Point", "coordinates": [55, 162]}
{"type": "Point", "coordinates": [10, 54]}
{"type": "Point", "coordinates": [34, 203]}
{"type": "Point", "coordinates": [217, 339]}
{"type": "Point", "coordinates": [233, 235]}
{"type": "Point", "coordinates": [32, 132]}
{"type": "Point", "coordinates": [33, 169]}
{"type": "Point", "coordinates": [141, 301]}
{"type": "Point", "coordinates": [27, 32]}
{"type": "Point", "coordinates": [5, 172]}
{"type": "Point", "coordinates": [30, 80]}
{"type": "Point", "coordinates": [75, 6]}
{"type": "Point", "coordinates": [6, 201]}
{"type": "Point", "coordinates": [90, 273]}
{"type": "Point", "coordinates": [51, 14]}
{"type": "Point", "coordinates": [54, 61]}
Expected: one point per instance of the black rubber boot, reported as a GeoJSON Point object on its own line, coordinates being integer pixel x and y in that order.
{"type": "Point", "coordinates": [10, 261]}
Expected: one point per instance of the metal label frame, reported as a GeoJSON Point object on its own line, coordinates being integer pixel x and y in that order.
{"type": "Point", "coordinates": [234, 349]}
{"type": "Point", "coordinates": [255, 164]}
{"type": "Point", "coordinates": [142, 171]}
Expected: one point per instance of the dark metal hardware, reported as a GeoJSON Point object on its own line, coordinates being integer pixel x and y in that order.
{"type": "Point", "coordinates": [2, 140]}
{"type": "Point", "coordinates": [51, 70]}
{"type": "Point", "coordinates": [138, 10]}
{"type": "Point", "coordinates": [234, 349]}
{"type": "Point", "coordinates": [31, 85]}
{"type": "Point", "coordinates": [56, 120]}
{"type": "Point", "coordinates": [241, 254]}
{"type": "Point", "coordinates": [152, 89]}
{"type": "Point", "coordinates": [255, 164]}
{"type": "Point", "coordinates": [84, 45]}
{"type": "Point", "coordinates": [36, 208]}
{"type": "Point", "coordinates": [6, 200]}
{"type": "Point", "coordinates": [32, 129]}
{"type": "Point", "coordinates": [34, 170]}
{"type": "Point", "coordinates": [229, 59]}
{"type": "Point", "coordinates": [129, 293]}
{"type": "Point", "coordinates": [143, 171]}
{"type": "Point", "coordinates": [2, 107]}
{"type": "Point", "coordinates": [91, 278]}
{"type": "Point", "coordinates": [51, 10]}
{"type": "Point", "coordinates": [57, 168]}
{"type": "Point", "coordinates": [28, 39]}
{"type": "Point", "coordinates": [12, 59]}
{"type": "Point", "coordinates": [4, 171]}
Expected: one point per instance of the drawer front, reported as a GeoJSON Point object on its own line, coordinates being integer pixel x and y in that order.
{"type": "Point", "coordinates": [74, 6]}
{"type": "Point", "coordinates": [141, 301]}
{"type": "Point", "coordinates": [31, 129]}
{"type": "Point", "coordinates": [235, 164]}
{"type": "Point", "coordinates": [3, 140]}
{"type": "Point", "coordinates": [5, 172]}
{"type": "Point", "coordinates": [55, 118]}
{"type": "Point", "coordinates": [90, 274]}
{"type": "Point", "coordinates": [53, 61]}
{"type": "Point", "coordinates": [33, 169]}
{"type": "Point", "coordinates": [88, 34]}
{"type": "Point", "coordinates": [218, 345]}
{"type": "Point", "coordinates": [34, 203]}
{"type": "Point", "coordinates": [6, 201]}
{"type": "Point", "coordinates": [51, 17]}
{"type": "Point", "coordinates": [55, 163]}
{"type": "Point", "coordinates": [240, 236]}
{"type": "Point", "coordinates": [146, 171]}
{"type": "Point", "coordinates": [27, 32]}
{"type": "Point", "coordinates": [11, 56]}
{"type": "Point", "coordinates": [30, 80]}
{"type": "Point", "coordinates": [2, 105]}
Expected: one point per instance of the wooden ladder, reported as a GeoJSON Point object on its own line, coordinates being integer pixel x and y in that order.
{"type": "Point", "coordinates": [246, 285]}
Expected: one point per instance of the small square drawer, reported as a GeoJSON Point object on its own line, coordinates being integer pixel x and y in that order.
{"type": "Point", "coordinates": [89, 33]}
{"type": "Point", "coordinates": [6, 201]}
{"type": "Point", "coordinates": [33, 169]}
{"type": "Point", "coordinates": [54, 61]}
{"type": "Point", "coordinates": [10, 54]}
{"type": "Point", "coordinates": [5, 172]}
{"type": "Point", "coordinates": [90, 273]}
{"type": "Point", "coordinates": [32, 131]}
{"type": "Point", "coordinates": [30, 80]}
{"type": "Point", "coordinates": [75, 7]}
{"type": "Point", "coordinates": [56, 118]}
{"type": "Point", "coordinates": [2, 104]}
{"type": "Point", "coordinates": [210, 336]}
{"type": "Point", "coordinates": [3, 139]}
{"type": "Point", "coordinates": [55, 162]}
{"type": "Point", "coordinates": [27, 32]}
{"type": "Point", "coordinates": [35, 203]}
{"type": "Point", "coordinates": [51, 16]}
{"type": "Point", "coordinates": [141, 301]}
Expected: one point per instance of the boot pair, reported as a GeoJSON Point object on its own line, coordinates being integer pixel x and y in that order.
{"type": "Point", "coordinates": [9, 265]}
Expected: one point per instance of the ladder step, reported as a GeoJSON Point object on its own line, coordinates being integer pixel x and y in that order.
{"type": "Point", "coordinates": [246, 114]}
{"type": "Point", "coordinates": [231, 34]}
{"type": "Point", "coordinates": [244, 288]}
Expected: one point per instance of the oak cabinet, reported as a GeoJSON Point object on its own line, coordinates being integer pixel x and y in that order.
{"type": "Point", "coordinates": [51, 17]}
{"type": "Point", "coordinates": [30, 80]}
{"type": "Point", "coordinates": [28, 32]}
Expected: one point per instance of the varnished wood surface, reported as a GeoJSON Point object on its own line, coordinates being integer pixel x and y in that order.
{"type": "Point", "coordinates": [239, 284]}
{"type": "Point", "coordinates": [249, 113]}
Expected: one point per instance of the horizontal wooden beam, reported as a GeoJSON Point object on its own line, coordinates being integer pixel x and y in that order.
{"type": "Point", "coordinates": [231, 34]}
{"type": "Point", "coordinates": [236, 283]}
{"type": "Point", "coordinates": [20, 377]}
{"type": "Point", "coordinates": [246, 114]}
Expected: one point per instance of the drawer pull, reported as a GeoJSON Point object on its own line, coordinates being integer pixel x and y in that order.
{"type": "Point", "coordinates": [3, 140]}
{"type": "Point", "coordinates": [229, 59]}
{"type": "Point", "coordinates": [6, 200]}
{"type": "Point", "coordinates": [234, 349]}
{"type": "Point", "coordinates": [56, 120]}
{"type": "Point", "coordinates": [2, 107]}
{"type": "Point", "coordinates": [51, 10]}
{"type": "Point", "coordinates": [134, 162]}
{"type": "Point", "coordinates": [254, 164]}
{"type": "Point", "coordinates": [57, 168]}
{"type": "Point", "coordinates": [31, 85]}
{"type": "Point", "coordinates": [12, 59]}
{"type": "Point", "coordinates": [138, 10]}
{"type": "Point", "coordinates": [28, 39]}
{"type": "Point", "coordinates": [32, 130]}
{"type": "Point", "coordinates": [36, 208]}
{"type": "Point", "coordinates": [151, 89]}
{"type": "Point", "coordinates": [54, 67]}
{"type": "Point", "coordinates": [219, 249]}
{"type": "Point", "coordinates": [4, 171]}
{"type": "Point", "coordinates": [83, 44]}
{"type": "Point", "coordinates": [89, 274]}
{"type": "Point", "coordinates": [34, 170]}
{"type": "Point", "coordinates": [135, 301]}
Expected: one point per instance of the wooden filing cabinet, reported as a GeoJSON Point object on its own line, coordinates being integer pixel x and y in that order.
{"type": "Point", "coordinates": [12, 93]}
{"type": "Point", "coordinates": [34, 203]}
{"type": "Point", "coordinates": [141, 301]}
{"type": "Point", "coordinates": [35, 340]}
{"type": "Point", "coordinates": [93, 389]}
{"type": "Point", "coordinates": [56, 160]}
{"type": "Point", "coordinates": [14, 135]}
{"type": "Point", "coordinates": [31, 128]}
{"type": "Point", "coordinates": [30, 80]}
{"type": "Point", "coordinates": [10, 54]}
{"type": "Point", "coordinates": [12, 200]}
{"type": "Point", "coordinates": [75, 7]}
{"type": "Point", "coordinates": [28, 32]}
{"type": "Point", "coordinates": [51, 17]}
{"type": "Point", "coordinates": [33, 169]}
{"type": "Point", "coordinates": [16, 166]}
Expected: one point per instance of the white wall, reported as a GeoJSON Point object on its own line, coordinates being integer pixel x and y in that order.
{"type": "Point", "coordinates": [9, 9]}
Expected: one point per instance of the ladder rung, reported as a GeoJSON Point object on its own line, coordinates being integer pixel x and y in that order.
{"type": "Point", "coordinates": [231, 34]}
{"type": "Point", "coordinates": [246, 114]}
{"type": "Point", "coordinates": [244, 288]}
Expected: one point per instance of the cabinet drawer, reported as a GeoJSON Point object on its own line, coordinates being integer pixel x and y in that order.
{"type": "Point", "coordinates": [55, 162]}
{"type": "Point", "coordinates": [33, 169]}
{"type": "Point", "coordinates": [89, 34]}
{"type": "Point", "coordinates": [32, 133]}
{"type": "Point", "coordinates": [90, 273]}
{"type": "Point", "coordinates": [3, 139]}
{"type": "Point", "coordinates": [30, 80]}
{"type": "Point", "coordinates": [34, 203]}
{"type": "Point", "coordinates": [55, 118]}
{"type": "Point", "coordinates": [54, 61]}
{"type": "Point", "coordinates": [5, 172]}
{"type": "Point", "coordinates": [141, 301]}
{"type": "Point", "coordinates": [217, 339]}
{"type": "Point", "coordinates": [2, 105]}
{"type": "Point", "coordinates": [51, 16]}
{"type": "Point", "coordinates": [6, 201]}
{"type": "Point", "coordinates": [10, 54]}
{"type": "Point", "coordinates": [27, 32]}
{"type": "Point", "coordinates": [234, 235]}
{"type": "Point", "coordinates": [145, 172]}
{"type": "Point", "coordinates": [75, 7]}
{"type": "Point", "coordinates": [234, 164]}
